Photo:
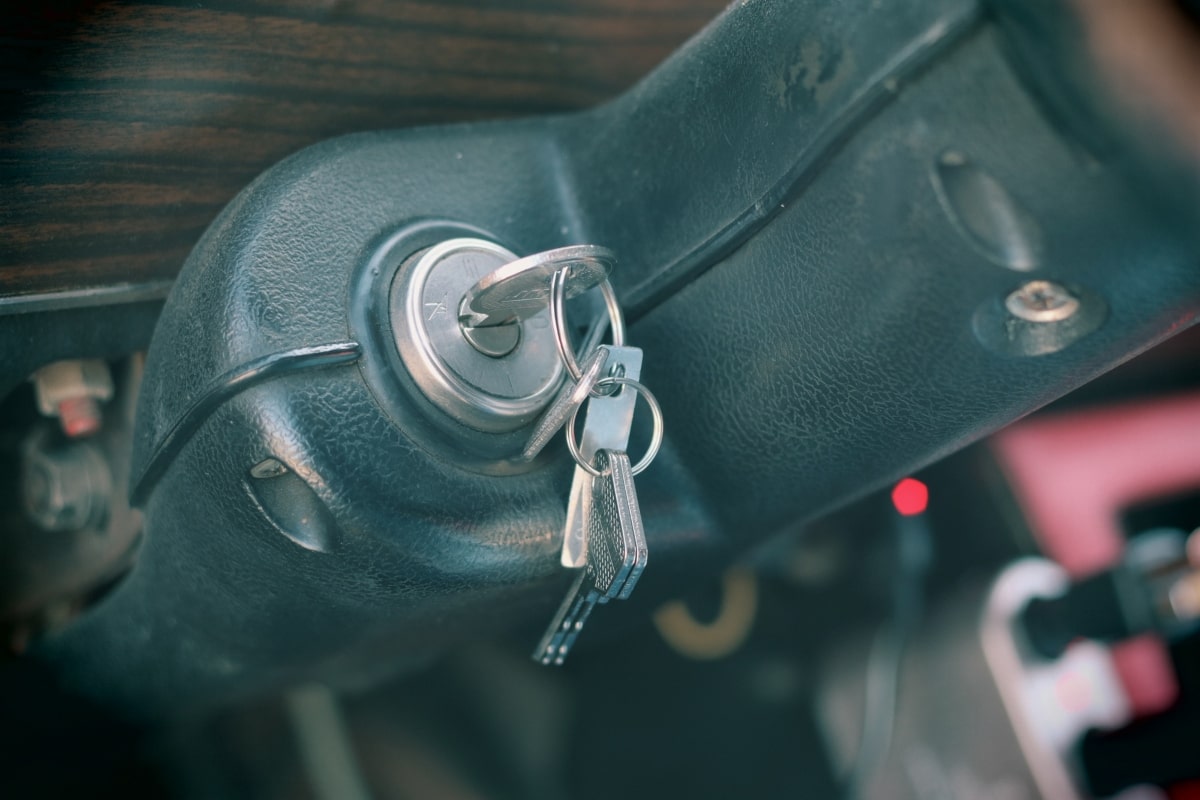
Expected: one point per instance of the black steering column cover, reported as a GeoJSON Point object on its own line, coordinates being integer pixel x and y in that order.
{"type": "Point", "coordinates": [819, 209]}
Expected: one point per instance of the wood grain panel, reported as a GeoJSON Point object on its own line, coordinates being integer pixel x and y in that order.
{"type": "Point", "coordinates": [125, 127]}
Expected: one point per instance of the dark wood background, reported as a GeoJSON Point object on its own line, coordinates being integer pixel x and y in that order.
{"type": "Point", "coordinates": [126, 126]}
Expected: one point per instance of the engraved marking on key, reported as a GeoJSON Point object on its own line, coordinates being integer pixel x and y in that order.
{"type": "Point", "coordinates": [570, 396]}
{"type": "Point", "coordinates": [521, 289]}
{"type": "Point", "coordinates": [607, 426]}
{"type": "Point", "coordinates": [616, 555]}
{"type": "Point", "coordinates": [436, 308]}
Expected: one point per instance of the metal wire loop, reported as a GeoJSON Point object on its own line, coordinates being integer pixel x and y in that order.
{"type": "Point", "coordinates": [558, 320]}
{"type": "Point", "coordinates": [656, 436]}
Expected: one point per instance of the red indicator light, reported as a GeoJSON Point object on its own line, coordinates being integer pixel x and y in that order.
{"type": "Point", "coordinates": [910, 497]}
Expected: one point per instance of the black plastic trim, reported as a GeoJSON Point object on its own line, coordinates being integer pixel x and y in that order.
{"type": "Point", "coordinates": [229, 385]}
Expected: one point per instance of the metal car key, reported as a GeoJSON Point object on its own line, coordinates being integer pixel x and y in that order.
{"type": "Point", "coordinates": [570, 397]}
{"type": "Point", "coordinates": [617, 556]}
{"type": "Point", "coordinates": [572, 394]}
{"type": "Point", "coordinates": [607, 426]}
{"type": "Point", "coordinates": [521, 289]}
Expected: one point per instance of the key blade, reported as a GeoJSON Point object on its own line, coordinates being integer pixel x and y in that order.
{"type": "Point", "coordinates": [574, 549]}
{"type": "Point", "coordinates": [570, 397]}
{"type": "Point", "coordinates": [571, 613]}
{"type": "Point", "coordinates": [568, 641]}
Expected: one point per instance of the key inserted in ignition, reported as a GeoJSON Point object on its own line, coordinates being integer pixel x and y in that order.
{"type": "Point", "coordinates": [479, 389]}
{"type": "Point", "coordinates": [491, 311]}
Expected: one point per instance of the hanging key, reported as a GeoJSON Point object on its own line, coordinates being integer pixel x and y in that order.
{"type": "Point", "coordinates": [607, 427]}
{"type": "Point", "coordinates": [617, 556]}
{"type": "Point", "coordinates": [562, 408]}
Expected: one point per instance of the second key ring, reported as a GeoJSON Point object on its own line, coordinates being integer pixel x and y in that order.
{"type": "Point", "coordinates": [656, 436]}
{"type": "Point", "coordinates": [558, 320]}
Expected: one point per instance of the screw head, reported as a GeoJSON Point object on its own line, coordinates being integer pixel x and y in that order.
{"type": "Point", "coordinates": [1042, 301]}
{"type": "Point", "coordinates": [268, 468]}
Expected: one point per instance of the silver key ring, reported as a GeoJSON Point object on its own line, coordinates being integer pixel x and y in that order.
{"type": "Point", "coordinates": [656, 437]}
{"type": "Point", "coordinates": [558, 317]}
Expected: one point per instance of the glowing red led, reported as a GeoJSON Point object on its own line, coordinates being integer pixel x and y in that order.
{"type": "Point", "coordinates": [910, 497]}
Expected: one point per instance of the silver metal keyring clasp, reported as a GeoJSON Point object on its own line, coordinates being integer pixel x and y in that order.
{"type": "Point", "coordinates": [558, 316]}
{"type": "Point", "coordinates": [656, 436]}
